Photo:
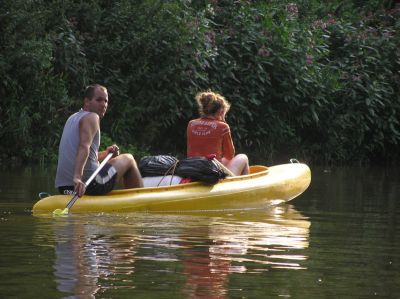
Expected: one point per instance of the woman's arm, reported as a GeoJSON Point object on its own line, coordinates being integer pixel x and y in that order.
{"type": "Point", "coordinates": [228, 149]}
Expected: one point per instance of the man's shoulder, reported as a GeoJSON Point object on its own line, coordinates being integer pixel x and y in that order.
{"type": "Point", "coordinates": [90, 119]}
{"type": "Point", "coordinates": [90, 116]}
{"type": "Point", "coordinates": [81, 114]}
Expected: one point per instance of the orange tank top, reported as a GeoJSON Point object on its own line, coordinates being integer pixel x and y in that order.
{"type": "Point", "coordinates": [209, 136]}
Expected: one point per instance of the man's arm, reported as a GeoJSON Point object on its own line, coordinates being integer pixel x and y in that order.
{"type": "Point", "coordinates": [110, 149]}
{"type": "Point", "coordinates": [88, 126]}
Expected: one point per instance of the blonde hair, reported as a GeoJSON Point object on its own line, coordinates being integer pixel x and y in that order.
{"type": "Point", "coordinates": [209, 103]}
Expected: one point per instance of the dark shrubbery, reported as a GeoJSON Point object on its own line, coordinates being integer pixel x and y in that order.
{"type": "Point", "coordinates": [306, 79]}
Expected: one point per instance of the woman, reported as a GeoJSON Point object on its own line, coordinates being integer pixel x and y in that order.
{"type": "Point", "coordinates": [210, 134]}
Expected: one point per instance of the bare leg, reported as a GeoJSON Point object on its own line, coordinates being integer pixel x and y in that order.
{"type": "Point", "coordinates": [127, 171]}
{"type": "Point", "coordinates": [239, 165]}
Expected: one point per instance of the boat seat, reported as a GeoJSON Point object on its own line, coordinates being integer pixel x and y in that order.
{"type": "Point", "coordinates": [257, 168]}
{"type": "Point", "coordinates": [158, 181]}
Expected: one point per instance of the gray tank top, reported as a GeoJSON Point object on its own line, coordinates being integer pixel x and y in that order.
{"type": "Point", "coordinates": [69, 148]}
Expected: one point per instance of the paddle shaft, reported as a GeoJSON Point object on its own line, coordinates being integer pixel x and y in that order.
{"type": "Point", "coordinates": [226, 170]}
{"type": "Point", "coordinates": [75, 198]}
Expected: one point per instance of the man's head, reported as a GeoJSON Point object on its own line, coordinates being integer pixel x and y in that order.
{"type": "Point", "coordinates": [96, 99]}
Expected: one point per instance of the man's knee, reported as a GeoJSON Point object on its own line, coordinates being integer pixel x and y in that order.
{"type": "Point", "coordinates": [129, 159]}
{"type": "Point", "coordinates": [123, 163]}
{"type": "Point", "coordinates": [127, 156]}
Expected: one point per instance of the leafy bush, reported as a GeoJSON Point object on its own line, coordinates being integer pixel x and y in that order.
{"type": "Point", "coordinates": [314, 80]}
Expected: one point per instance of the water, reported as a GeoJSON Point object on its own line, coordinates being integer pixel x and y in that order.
{"type": "Point", "coordinates": [340, 239]}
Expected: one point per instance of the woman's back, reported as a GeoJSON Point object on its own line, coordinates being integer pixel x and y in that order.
{"type": "Point", "coordinates": [209, 136]}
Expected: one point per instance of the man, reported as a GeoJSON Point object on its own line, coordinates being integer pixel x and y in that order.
{"type": "Point", "coordinates": [79, 156]}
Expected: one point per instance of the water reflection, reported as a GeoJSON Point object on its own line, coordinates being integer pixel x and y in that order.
{"type": "Point", "coordinates": [96, 254]}
{"type": "Point", "coordinates": [238, 244]}
{"type": "Point", "coordinates": [269, 240]}
{"type": "Point", "coordinates": [91, 255]}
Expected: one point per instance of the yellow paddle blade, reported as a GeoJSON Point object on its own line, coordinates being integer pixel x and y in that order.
{"type": "Point", "coordinates": [59, 212]}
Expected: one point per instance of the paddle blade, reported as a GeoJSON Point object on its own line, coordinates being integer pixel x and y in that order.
{"type": "Point", "coordinates": [59, 212]}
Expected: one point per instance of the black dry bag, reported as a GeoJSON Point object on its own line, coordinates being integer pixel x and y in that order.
{"type": "Point", "coordinates": [157, 165]}
{"type": "Point", "coordinates": [200, 169]}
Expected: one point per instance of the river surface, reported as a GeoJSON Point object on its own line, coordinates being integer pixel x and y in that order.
{"type": "Point", "coordinates": [340, 239]}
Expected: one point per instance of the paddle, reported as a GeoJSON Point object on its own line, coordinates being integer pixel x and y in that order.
{"type": "Point", "coordinates": [226, 170]}
{"type": "Point", "coordinates": [59, 212]}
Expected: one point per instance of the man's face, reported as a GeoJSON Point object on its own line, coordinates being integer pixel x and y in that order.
{"type": "Point", "coordinates": [98, 103]}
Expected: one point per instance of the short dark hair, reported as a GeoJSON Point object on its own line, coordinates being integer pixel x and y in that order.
{"type": "Point", "coordinates": [89, 90]}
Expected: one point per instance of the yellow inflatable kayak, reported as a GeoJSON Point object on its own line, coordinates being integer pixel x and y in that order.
{"type": "Point", "coordinates": [261, 188]}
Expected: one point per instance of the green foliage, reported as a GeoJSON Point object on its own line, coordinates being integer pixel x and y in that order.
{"type": "Point", "coordinates": [321, 87]}
{"type": "Point", "coordinates": [309, 79]}
{"type": "Point", "coordinates": [124, 148]}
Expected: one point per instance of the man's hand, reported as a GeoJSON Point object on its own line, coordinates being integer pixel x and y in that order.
{"type": "Point", "coordinates": [113, 149]}
{"type": "Point", "coordinates": [79, 187]}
